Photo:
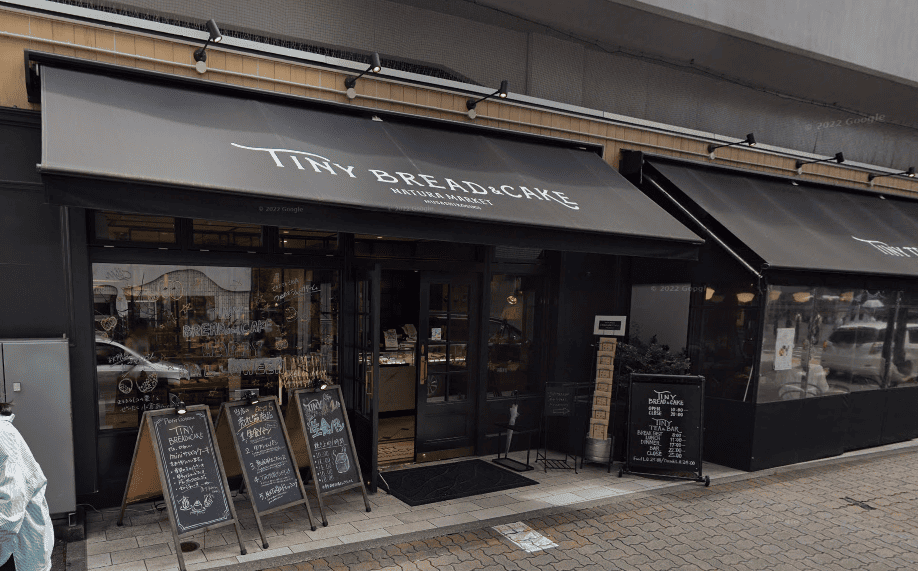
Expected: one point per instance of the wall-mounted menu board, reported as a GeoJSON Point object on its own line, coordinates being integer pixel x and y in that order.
{"type": "Point", "coordinates": [261, 453]}
{"type": "Point", "coordinates": [329, 444]}
{"type": "Point", "coordinates": [175, 457]}
{"type": "Point", "coordinates": [559, 399]}
{"type": "Point", "coordinates": [665, 425]}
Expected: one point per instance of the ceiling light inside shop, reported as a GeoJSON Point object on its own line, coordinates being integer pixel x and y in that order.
{"type": "Point", "coordinates": [745, 297]}
{"type": "Point", "coordinates": [802, 296]}
{"type": "Point", "coordinates": [708, 293]}
{"type": "Point", "coordinates": [846, 296]}
{"type": "Point", "coordinates": [774, 295]}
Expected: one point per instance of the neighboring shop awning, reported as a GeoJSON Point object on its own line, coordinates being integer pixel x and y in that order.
{"type": "Point", "coordinates": [110, 139]}
{"type": "Point", "coordinates": [796, 225]}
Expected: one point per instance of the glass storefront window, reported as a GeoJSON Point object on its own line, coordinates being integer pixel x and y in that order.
{"type": "Point", "coordinates": [294, 239]}
{"type": "Point", "coordinates": [512, 337]}
{"type": "Point", "coordinates": [210, 233]}
{"type": "Point", "coordinates": [729, 327]}
{"type": "Point", "coordinates": [138, 228]}
{"type": "Point", "coordinates": [200, 332]}
{"type": "Point", "coordinates": [828, 341]}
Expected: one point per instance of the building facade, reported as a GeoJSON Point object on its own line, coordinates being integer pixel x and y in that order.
{"type": "Point", "coordinates": [187, 270]}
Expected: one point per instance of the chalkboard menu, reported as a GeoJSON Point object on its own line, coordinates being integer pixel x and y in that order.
{"type": "Point", "coordinates": [333, 459]}
{"type": "Point", "coordinates": [326, 441]}
{"type": "Point", "coordinates": [186, 451]}
{"type": "Point", "coordinates": [175, 458]}
{"type": "Point", "coordinates": [665, 423]}
{"type": "Point", "coordinates": [559, 400]}
{"type": "Point", "coordinates": [263, 448]}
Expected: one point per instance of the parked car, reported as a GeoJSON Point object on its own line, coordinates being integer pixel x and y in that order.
{"type": "Point", "coordinates": [856, 349]}
{"type": "Point", "coordinates": [114, 360]}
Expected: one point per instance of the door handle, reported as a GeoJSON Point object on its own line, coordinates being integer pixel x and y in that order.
{"type": "Point", "coordinates": [423, 372]}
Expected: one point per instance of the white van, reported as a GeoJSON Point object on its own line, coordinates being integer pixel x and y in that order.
{"type": "Point", "coordinates": [857, 349]}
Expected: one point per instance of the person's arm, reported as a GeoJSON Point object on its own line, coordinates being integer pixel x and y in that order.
{"type": "Point", "coordinates": [13, 496]}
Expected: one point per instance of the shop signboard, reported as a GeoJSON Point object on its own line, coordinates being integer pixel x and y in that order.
{"type": "Point", "coordinates": [324, 442]}
{"type": "Point", "coordinates": [175, 457]}
{"type": "Point", "coordinates": [665, 426]}
{"type": "Point", "coordinates": [256, 432]}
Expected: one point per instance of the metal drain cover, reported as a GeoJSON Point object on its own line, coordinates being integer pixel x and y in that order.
{"type": "Point", "coordinates": [190, 546]}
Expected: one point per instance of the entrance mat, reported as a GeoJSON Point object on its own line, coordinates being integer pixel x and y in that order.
{"type": "Point", "coordinates": [429, 484]}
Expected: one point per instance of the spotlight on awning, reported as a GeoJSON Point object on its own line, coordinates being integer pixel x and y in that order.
{"type": "Point", "coordinates": [351, 81]}
{"type": "Point", "coordinates": [749, 140]}
{"type": "Point", "coordinates": [471, 103]}
{"type": "Point", "coordinates": [838, 158]}
{"type": "Point", "coordinates": [200, 55]}
{"type": "Point", "coordinates": [909, 173]}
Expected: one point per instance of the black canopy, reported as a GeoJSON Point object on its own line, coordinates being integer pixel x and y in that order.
{"type": "Point", "coordinates": [804, 226]}
{"type": "Point", "coordinates": [144, 145]}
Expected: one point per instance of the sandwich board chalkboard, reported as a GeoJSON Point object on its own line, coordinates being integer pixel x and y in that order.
{"type": "Point", "coordinates": [559, 402]}
{"type": "Point", "coordinates": [175, 457]}
{"type": "Point", "coordinates": [665, 426]}
{"type": "Point", "coordinates": [559, 399]}
{"type": "Point", "coordinates": [261, 453]}
{"type": "Point", "coordinates": [324, 442]}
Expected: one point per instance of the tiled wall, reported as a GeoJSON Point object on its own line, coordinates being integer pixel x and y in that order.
{"type": "Point", "coordinates": [20, 31]}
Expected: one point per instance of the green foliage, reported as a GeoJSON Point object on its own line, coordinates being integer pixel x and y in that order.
{"type": "Point", "coordinates": [651, 358]}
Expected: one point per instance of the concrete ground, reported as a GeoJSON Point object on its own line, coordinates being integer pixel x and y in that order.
{"type": "Point", "coordinates": [808, 516]}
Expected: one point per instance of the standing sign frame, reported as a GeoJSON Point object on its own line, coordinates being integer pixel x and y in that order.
{"type": "Point", "coordinates": [304, 444]}
{"type": "Point", "coordinates": [665, 407]}
{"type": "Point", "coordinates": [228, 435]}
{"type": "Point", "coordinates": [149, 457]}
{"type": "Point", "coordinates": [559, 402]}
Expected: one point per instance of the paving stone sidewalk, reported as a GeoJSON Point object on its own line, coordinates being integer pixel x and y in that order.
{"type": "Point", "coordinates": [859, 514]}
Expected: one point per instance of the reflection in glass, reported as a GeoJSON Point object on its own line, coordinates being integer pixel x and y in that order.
{"type": "Point", "coordinates": [458, 386]}
{"type": "Point", "coordinates": [459, 299]}
{"type": "Point", "coordinates": [436, 388]}
{"type": "Point", "coordinates": [844, 340]}
{"type": "Point", "coordinates": [512, 336]}
{"type": "Point", "coordinates": [138, 228]}
{"type": "Point", "coordinates": [729, 326]}
{"type": "Point", "coordinates": [201, 332]}
{"type": "Point", "coordinates": [296, 239]}
{"type": "Point", "coordinates": [212, 233]}
{"type": "Point", "coordinates": [439, 297]}
{"type": "Point", "coordinates": [457, 353]}
{"type": "Point", "coordinates": [458, 329]}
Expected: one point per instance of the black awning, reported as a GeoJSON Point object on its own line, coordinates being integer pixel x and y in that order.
{"type": "Point", "coordinates": [431, 177]}
{"type": "Point", "coordinates": [804, 226]}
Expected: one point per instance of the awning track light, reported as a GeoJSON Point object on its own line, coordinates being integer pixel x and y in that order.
{"type": "Point", "coordinates": [838, 158]}
{"type": "Point", "coordinates": [909, 173]}
{"type": "Point", "coordinates": [200, 54]}
{"type": "Point", "coordinates": [351, 81]}
{"type": "Point", "coordinates": [471, 103]}
{"type": "Point", "coordinates": [749, 140]}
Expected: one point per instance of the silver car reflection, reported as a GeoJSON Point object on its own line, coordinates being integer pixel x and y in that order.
{"type": "Point", "coordinates": [856, 349]}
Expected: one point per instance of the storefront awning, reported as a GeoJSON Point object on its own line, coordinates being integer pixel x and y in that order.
{"type": "Point", "coordinates": [154, 143]}
{"type": "Point", "coordinates": [803, 226]}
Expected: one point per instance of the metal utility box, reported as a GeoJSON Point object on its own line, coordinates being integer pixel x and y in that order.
{"type": "Point", "coordinates": [35, 377]}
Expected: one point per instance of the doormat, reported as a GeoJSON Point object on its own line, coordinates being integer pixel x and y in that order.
{"type": "Point", "coordinates": [429, 484]}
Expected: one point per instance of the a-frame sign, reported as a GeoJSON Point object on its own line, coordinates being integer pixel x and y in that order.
{"type": "Point", "coordinates": [175, 457]}
{"type": "Point", "coordinates": [261, 453]}
{"type": "Point", "coordinates": [322, 440]}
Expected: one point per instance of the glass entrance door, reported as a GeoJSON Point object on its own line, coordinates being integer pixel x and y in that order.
{"type": "Point", "coordinates": [362, 393]}
{"type": "Point", "coordinates": [447, 371]}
